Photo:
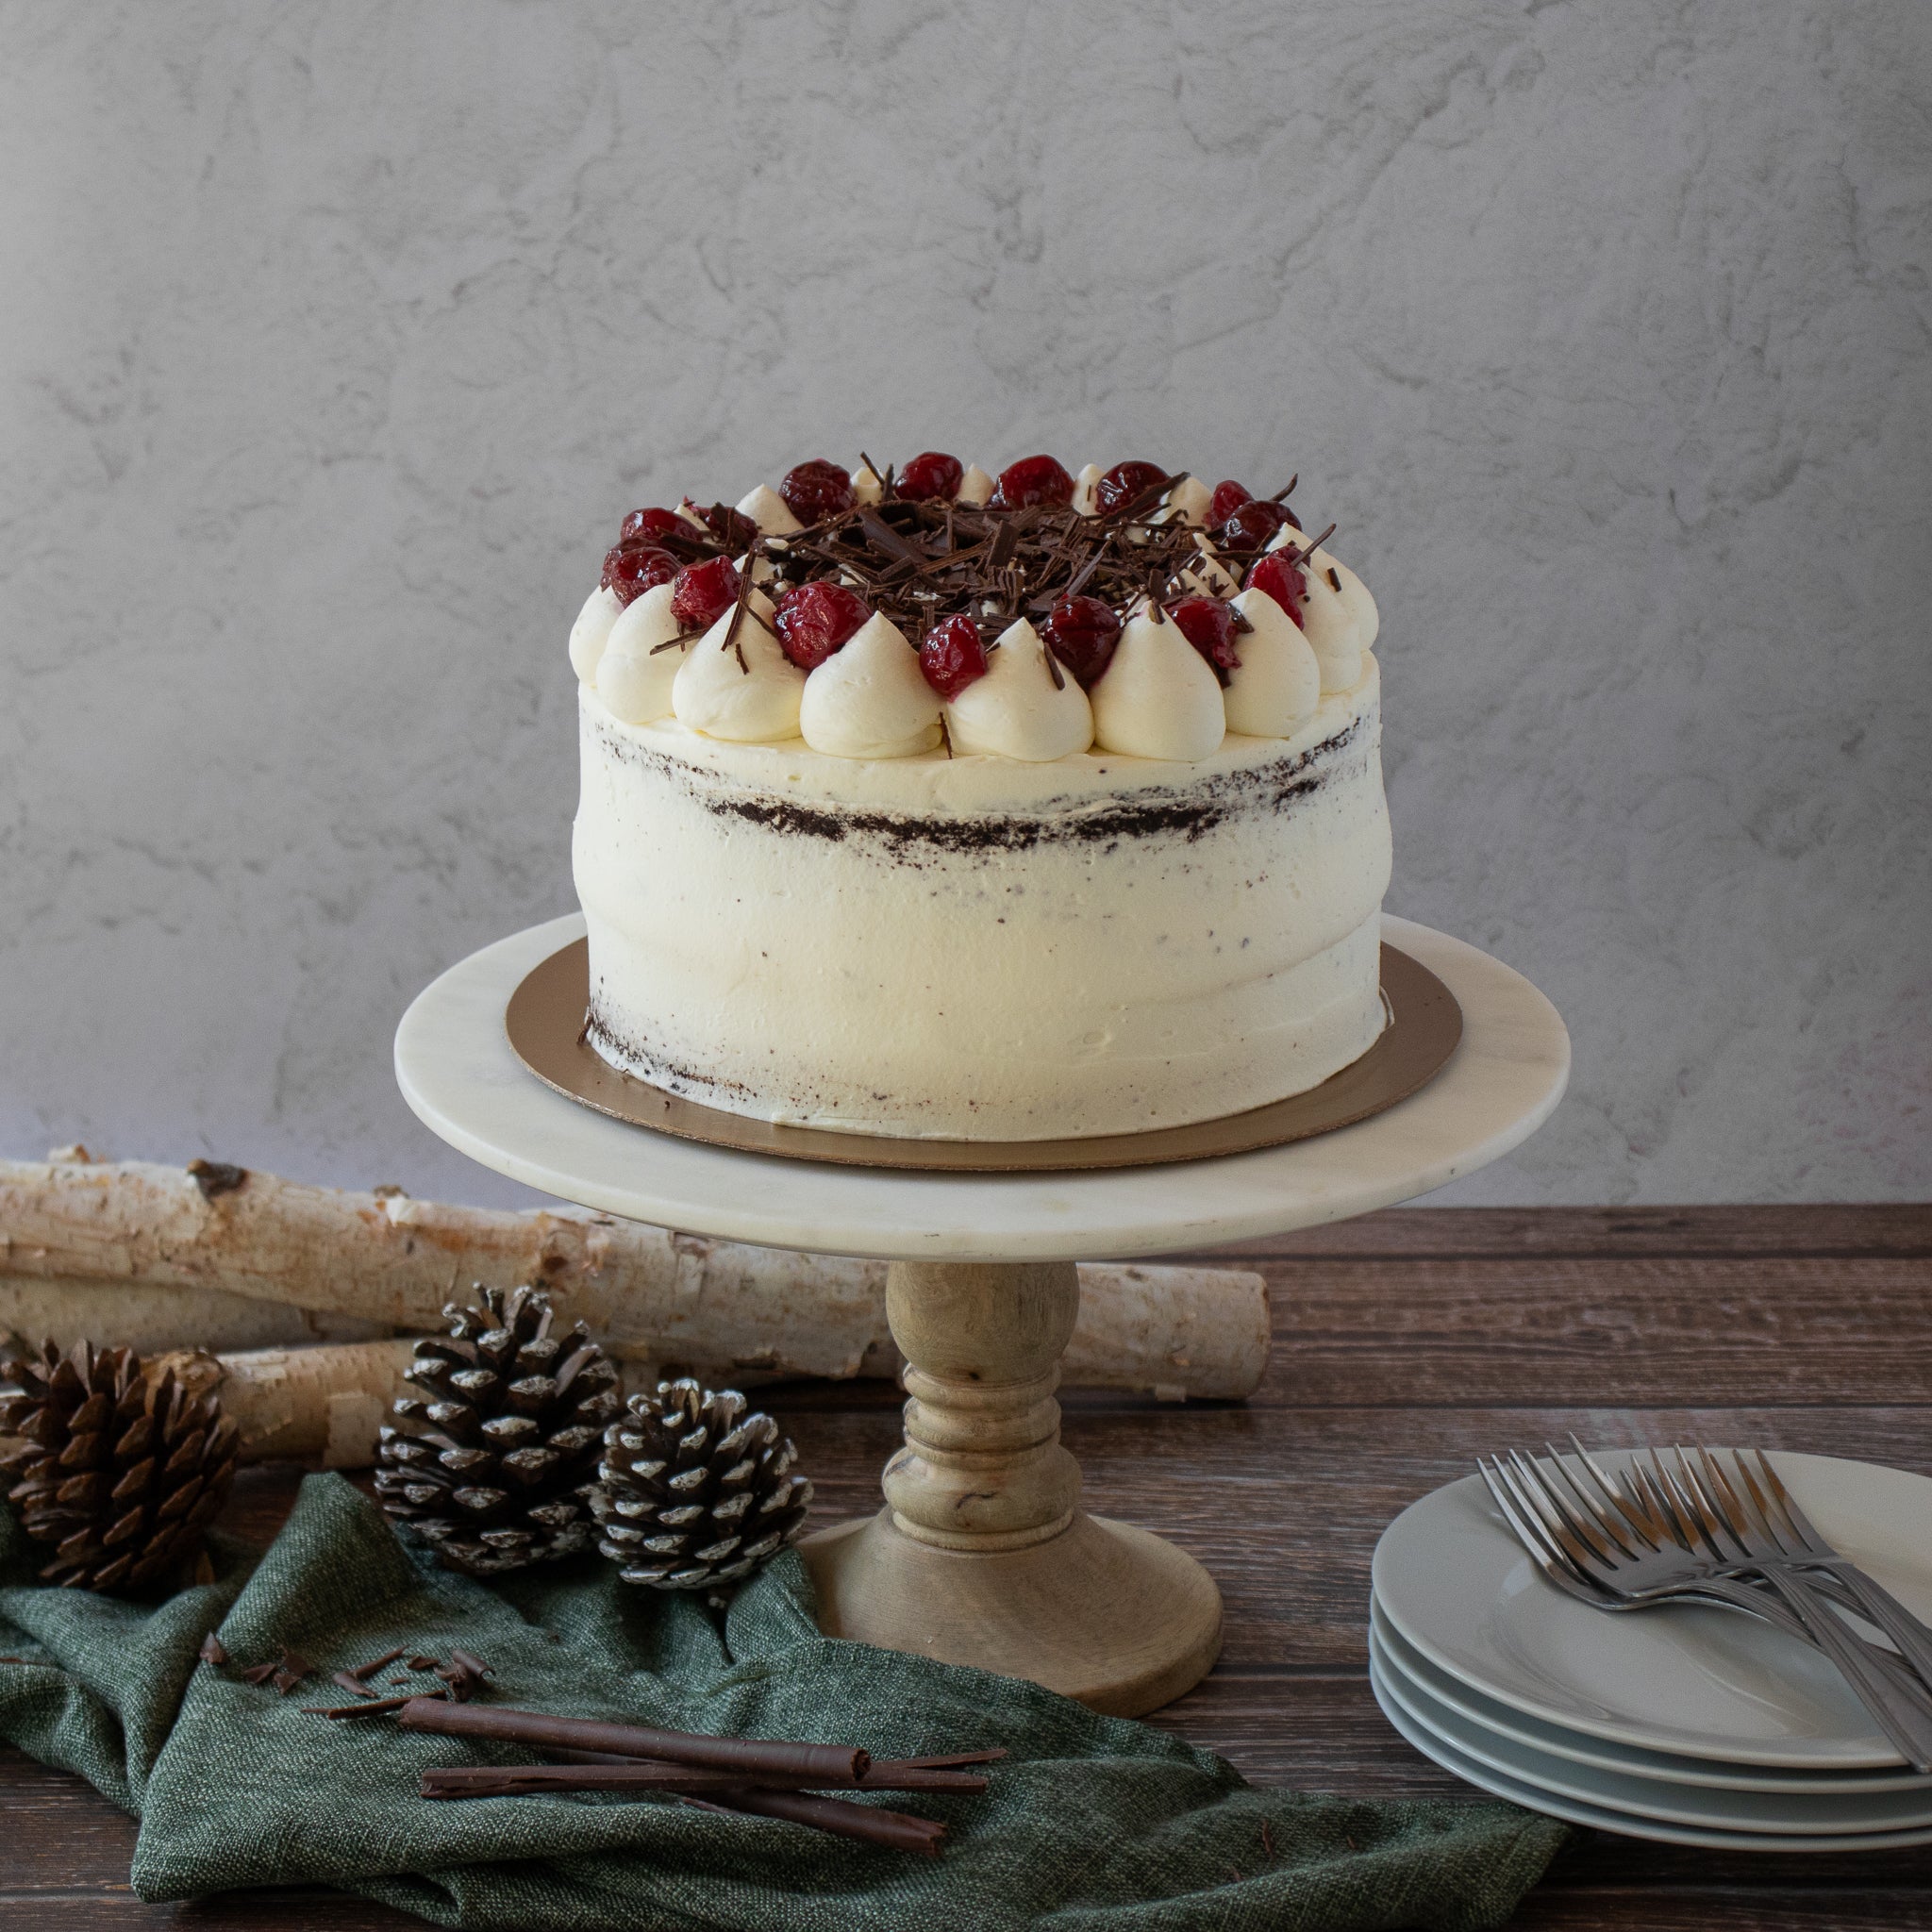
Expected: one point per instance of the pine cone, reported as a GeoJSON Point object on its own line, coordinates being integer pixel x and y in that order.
{"type": "Point", "coordinates": [692, 1492]}
{"type": "Point", "coordinates": [121, 1473]}
{"type": "Point", "coordinates": [491, 1462]}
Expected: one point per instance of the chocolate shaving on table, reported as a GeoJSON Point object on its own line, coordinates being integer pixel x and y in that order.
{"type": "Point", "coordinates": [354, 1686]}
{"type": "Point", "coordinates": [261, 1673]}
{"type": "Point", "coordinates": [469, 1660]}
{"type": "Point", "coordinates": [424, 1663]}
{"type": "Point", "coordinates": [377, 1708]}
{"type": "Point", "coordinates": [363, 1672]}
{"type": "Point", "coordinates": [212, 1650]}
{"type": "Point", "coordinates": [827, 1765]}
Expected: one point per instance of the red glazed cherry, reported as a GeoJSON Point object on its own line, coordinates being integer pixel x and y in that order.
{"type": "Point", "coordinates": [952, 656]}
{"type": "Point", "coordinates": [1208, 626]}
{"type": "Point", "coordinates": [1031, 480]}
{"type": "Point", "coordinates": [631, 572]}
{"type": "Point", "coordinates": [816, 491]}
{"type": "Point", "coordinates": [1281, 580]}
{"type": "Point", "coordinates": [1081, 632]}
{"type": "Point", "coordinates": [705, 593]}
{"type": "Point", "coordinates": [930, 473]}
{"type": "Point", "coordinates": [648, 525]}
{"type": "Point", "coordinates": [1253, 527]}
{"type": "Point", "coordinates": [1124, 482]}
{"type": "Point", "coordinates": [815, 618]}
{"type": "Point", "coordinates": [1228, 497]}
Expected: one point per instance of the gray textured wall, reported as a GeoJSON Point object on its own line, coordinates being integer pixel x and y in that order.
{"type": "Point", "coordinates": [335, 338]}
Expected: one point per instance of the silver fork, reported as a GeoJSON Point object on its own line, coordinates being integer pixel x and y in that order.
{"type": "Point", "coordinates": [1632, 1554]}
{"type": "Point", "coordinates": [1767, 1520]}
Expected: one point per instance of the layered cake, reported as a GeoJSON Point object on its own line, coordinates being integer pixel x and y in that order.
{"type": "Point", "coordinates": [918, 801]}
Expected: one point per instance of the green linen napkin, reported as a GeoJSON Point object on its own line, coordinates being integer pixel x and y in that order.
{"type": "Point", "coordinates": [1094, 1823]}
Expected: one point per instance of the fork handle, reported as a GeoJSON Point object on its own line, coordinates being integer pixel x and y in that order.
{"type": "Point", "coordinates": [1733, 1592]}
{"type": "Point", "coordinates": [1901, 1720]}
{"type": "Point", "coordinates": [1873, 1600]}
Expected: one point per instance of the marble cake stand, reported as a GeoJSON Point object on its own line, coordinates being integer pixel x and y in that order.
{"type": "Point", "coordinates": [982, 1553]}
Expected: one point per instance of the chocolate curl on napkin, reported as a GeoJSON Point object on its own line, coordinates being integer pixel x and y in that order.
{"type": "Point", "coordinates": [820, 1766]}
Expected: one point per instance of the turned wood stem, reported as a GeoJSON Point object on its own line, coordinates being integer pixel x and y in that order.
{"type": "Point", "coordinates": [982, 1468]}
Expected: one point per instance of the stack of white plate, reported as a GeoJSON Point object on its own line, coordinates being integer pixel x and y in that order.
{"type": "Point", "coordinates": [1692, 1725]}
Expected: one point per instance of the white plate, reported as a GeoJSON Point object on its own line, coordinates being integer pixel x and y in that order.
{"type": "Point", "coordinates": [1796, 1814]}
{"type": "Point", "coordinates": [1412, 1667]}
{"type": "Point", "coordinates": [1579, 1812]}
{"type": "Point", "coordinates": [1684, 1679]}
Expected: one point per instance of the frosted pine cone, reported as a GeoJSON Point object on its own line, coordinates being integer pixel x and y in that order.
{"type": "Point", "coordinates": [692, 1492]}
{"type": "Point", "coordinates": [491, 1463]}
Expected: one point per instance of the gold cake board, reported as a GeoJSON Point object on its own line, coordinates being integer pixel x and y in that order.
{"type": "Point", "coordinates": [545, 1022]}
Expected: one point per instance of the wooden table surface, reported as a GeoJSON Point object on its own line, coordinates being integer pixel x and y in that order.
{"type": "Point", "coordinates": [1405, 1344]}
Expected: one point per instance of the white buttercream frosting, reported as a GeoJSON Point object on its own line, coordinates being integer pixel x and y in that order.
{"type": "Point", "coordinates": [979, 948]}
{"type": "Point", "coordinates": [870, 699]}
{"type": "Point", "coordinates": [1189, 498]}
{"type": "Point", "coordinates": [769, 512]}
{"type": "Point", "coordinates": [868, 486]}
{"type": "Point", "coordinates": [756, 702]}
{"type": "Point", "coordinates": [1278, 682]}
{"type": "Point", "coordinates": [1339, 625]}
{"type": "Point", "coordinates": [1016, 711]}
{"type": "Point", "coordinates": [1210, 577]}
{"type": "Point", "coordinates": [1157, 698]}
{"type": "Point", "coordinates": [975, 485]}
{"type": "Point", "coordinates": [592, 631]}
{"type": "Point", "coordinates": [1083, 488]}
{"type": "Point", "coordinates": [633, 677]}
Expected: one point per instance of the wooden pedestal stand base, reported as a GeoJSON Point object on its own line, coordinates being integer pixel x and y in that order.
{"type": "Point", "coordinates": [982, 1555]}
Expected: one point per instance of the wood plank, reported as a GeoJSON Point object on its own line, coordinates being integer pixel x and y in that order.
{"type": "Point", "coordinates": [1652, 1329]}
{"type": "Point", "coordinates": [1892, 1227]}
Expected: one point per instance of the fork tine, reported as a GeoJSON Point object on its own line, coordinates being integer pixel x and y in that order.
{"type": "Point", "coordinates": [1607, 1521]}
{"type": "Point", "coordinates": [1691, 1506]}
{"type": "Point", "coordinates": [1528, 1492]}
{"type": "Point", "coordinates": [1528, 1527]}
{"type": "Point", "coordinates": [1745, 1519]}
{"type": "Point", "coordinates": [1531, 1471]}
{"type": "Point", "coordinates": [1617, 1494]}
{"type": "Point", "coordinates": [1551, 1561]}
{"type": "Point", "coordinates": [1766, 1510]}
{"type": "Point", "coordinates": [1785, 1505]}
{"type": "Point", "coordinates": [1719, 1527]}
{"type": "Point", "coordinates": [1657, 1491]}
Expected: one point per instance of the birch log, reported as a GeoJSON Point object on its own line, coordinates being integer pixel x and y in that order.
{"type": "Point", "coordinates": [313, 1404]}
{"type": "Point", "coordinates": [79, 1237]}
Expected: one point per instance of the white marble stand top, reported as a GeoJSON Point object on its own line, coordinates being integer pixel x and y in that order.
{"type": "Point", "coordinates": [457, 1070]}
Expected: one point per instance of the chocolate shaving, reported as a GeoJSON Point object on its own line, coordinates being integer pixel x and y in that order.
{"type": "Point", "coordinates": [470, 1661]}
{"type": "Point", "coordinates": [217, 1177]}
{"type": "Point", "coordinates": [1334, 581]}
{"type": "Point", "coordinates": [825, 1764]}
{"type": "Point", "coordinates": [294, 1668]}
{"type": "Point", "coordinates": [903, 1830]}
{"type": "Point", "coordinates": [424, 1663]}
{"type": "Point", "coordinates": [363, 1672]}
{"type": "Point", "coordinates": [379, 1709]}
{"type": "Point", "coordinates": [644, 1774]}
{"type": "Point", "coordinates": [212, 1650]}
{"type": "Point", "coordinates": [349, 1681]}
{"type": "Point", "coordinates": [261, 1673]}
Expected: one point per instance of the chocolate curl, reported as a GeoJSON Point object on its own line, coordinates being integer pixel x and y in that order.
{"type": "Point", "coordinates": [642, 1775]}
{"type": "Point", "coordinates": [363, 1672]}
{"type": "Point", "coordinates": [824, 1765]}
{"type": "Point", "coordinates": [903, 1830]}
